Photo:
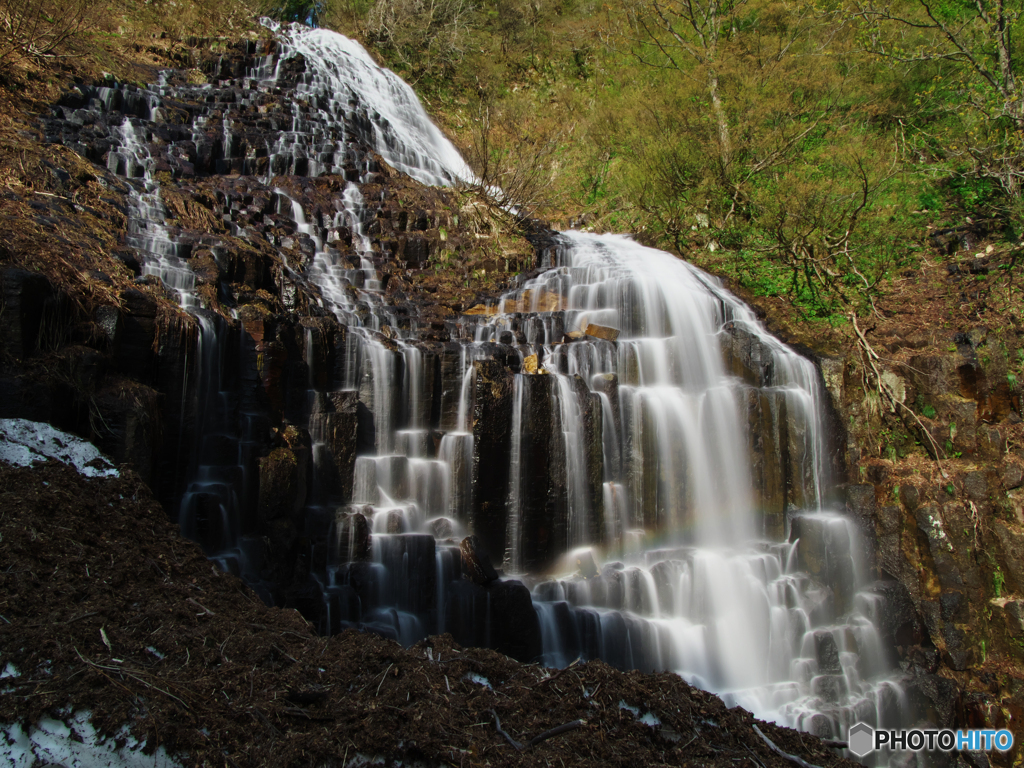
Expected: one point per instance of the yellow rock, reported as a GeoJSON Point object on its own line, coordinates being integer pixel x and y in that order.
{"type": "Point", "coordinates": [481, 309]}
{"type": "Point", "coordinates": [602, 332]}
{"type": "Point", "coordinates": [530, 364]}
{"type": "Point", "coordinates": [539, 301]}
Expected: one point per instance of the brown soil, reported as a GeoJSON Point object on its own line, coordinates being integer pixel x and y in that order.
{"type": "Point", "coordinates": [94, 576]}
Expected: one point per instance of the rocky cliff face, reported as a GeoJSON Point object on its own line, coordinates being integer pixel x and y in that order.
{"type": "Point", "coordinates": [260, 399]}
{"type": "Point", "coordinates": [96, 344]}
{"type": "Point", "coordinates": [947, 533]}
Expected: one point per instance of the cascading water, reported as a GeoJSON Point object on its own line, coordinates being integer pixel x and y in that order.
{"type": "Point", "coordinates": [709, 594]}
{"type": "Point", "coordinates": [666, 459]}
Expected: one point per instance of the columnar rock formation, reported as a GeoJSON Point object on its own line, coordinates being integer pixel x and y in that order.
{"type": "Point", "coordinates": [282, 367]}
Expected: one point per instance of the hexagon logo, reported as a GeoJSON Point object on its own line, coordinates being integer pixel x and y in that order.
{"type": "Point", "coordinates": [861, 738]}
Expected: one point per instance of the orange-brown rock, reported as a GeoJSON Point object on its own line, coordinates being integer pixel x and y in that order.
{"type": "Point", "coordinates": [602, 332]}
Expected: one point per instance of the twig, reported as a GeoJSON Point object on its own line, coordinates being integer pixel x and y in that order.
{"type": "Point", "coordinates": [123, 671]}
{"type": "Point", "coordinates": [205, 609]}
{"type": "Point", "coordinates": [299, 712]}
{"type": "Point", "coordinates": [266, 721]}
{"type": "Point", "coordinates": [753, 756]}
{"type": "Point", "coordinates": [883, 390]}
{"type": "Point", "coordinates": [835, 744]}
{"type": "Point", "coordinates": [792, 758]}
{"type": "Point", "coordinates": [556, 731]}
{"type": "Point", "coordinates": [560, 672]}
{"type": "Point", "coordinates": [497, 724]}
{"type": "Point", "coordinates": [274, 647]}
{"type": "Point", "coordinates": [384, 677]}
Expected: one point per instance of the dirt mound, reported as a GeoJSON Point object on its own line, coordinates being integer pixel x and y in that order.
{"type": "Point", "coordinates": [105, 607]}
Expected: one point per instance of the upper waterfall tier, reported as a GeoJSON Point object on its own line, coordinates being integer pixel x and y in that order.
{"type": "Point", "coordinates": [340, 74]}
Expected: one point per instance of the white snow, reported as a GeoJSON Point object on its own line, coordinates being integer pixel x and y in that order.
{"type": "Point", "coordinates": [473, 677]}
{"type": "Point", "coordinates": [74, 743]}
{"type": "Point", "coordinates": [24, 442]}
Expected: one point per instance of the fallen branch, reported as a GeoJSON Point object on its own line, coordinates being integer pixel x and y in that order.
{"type": "Point", "coordinates": [792, 758]}
{"type": "Point", "coordinates": [556, 731]}
{"type": "Point", "coordinates": [835, 744]}
{"type": "Point", "coordinates": [886, 393]}
{"type": "Point", "coordinates": [200, 605]}
{"type": "Point", "coordinates": [509, 739]}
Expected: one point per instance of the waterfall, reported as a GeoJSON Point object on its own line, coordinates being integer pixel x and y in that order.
{"type": "Point", "coordinates": [656, 490]}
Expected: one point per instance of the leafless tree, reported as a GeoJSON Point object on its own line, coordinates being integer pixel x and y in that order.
{"type": "Point", "coordinates": [39, 28]}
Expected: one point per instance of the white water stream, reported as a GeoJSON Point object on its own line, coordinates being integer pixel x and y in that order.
{"type": "Point", "coordinates": [694, 552]}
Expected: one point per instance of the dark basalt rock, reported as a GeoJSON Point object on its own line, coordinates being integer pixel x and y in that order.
{"type": "Point", "coordinates": [500, 615]}
{"type": "Point", "coordinates": [476, 562]}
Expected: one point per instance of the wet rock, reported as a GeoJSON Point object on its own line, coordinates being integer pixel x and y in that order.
{"type": "Point", "coordinates": [499, 616]}
{"type": "Point", "coordinates": [410, 565]}
{"type": "Point", "coordinates": [602, 332]}
{"type": "Point", "coordinates": [910, 495]}
{"type": "Point", "coordinates": [363, 578]}
{"type": "Point", "coordinates": [860, 501]}
{"type": "Point", "coordinates": [442, 528]}
{"type": "Point", "coordinates": [891, 519]}
{"type": "Point", "coordinates": [745, 356]}
{"type": "Point", "coordinates": [1013, 613]}
{"type": "Point", "coordinates": [586, 564]}
{"type": "Point", "coordinates": [953, 606]}
{"type": "Point", "coordinates": [449, 387]}
{"type": "Point", "coordinates": [395, 522]}
{"type": "Point", "coordinates": [336, 430]}
{"type": "Point", "coordinates": [353, 537]}
{"type": "Point", "coordinates": [542, 498]}
{"type": "Point", "coordinates": [280, 493]}
{"type": "Point", "coordinates": [931, 694]}
{"type": "Point", "coordinates": [899, 622]}
{"type": "Point", "coordinates": [476, 561]}
{"type": "Point", "coordinates": [607, 384]}
{"type": "Point", "coordinates": [826, 553]}
{"type": "Point", "coordinates": [765, 419]}
{"type": "Point", "coordinates": [492, 422]}
{"type": "Point", "coordinates": [131, 416]}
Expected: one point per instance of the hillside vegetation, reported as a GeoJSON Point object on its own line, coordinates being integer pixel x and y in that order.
{"type": "Point", "coordinates": [808, 151]}
{"type": "Point", "coordinates": [805, 150]}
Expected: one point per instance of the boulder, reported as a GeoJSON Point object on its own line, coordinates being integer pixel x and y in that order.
{"type": "Point", "coordinates": [602, 332]}
{"type": "Point", "coordinates": [476, 561]}
{"type": "Point", "coordinates": [499, 616]}
{"type": "Point", "coordinates": [25, 295]}
{"type": "Point", "coordinates": [353, 538]}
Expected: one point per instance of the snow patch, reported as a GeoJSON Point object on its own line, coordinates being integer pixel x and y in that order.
{"type": "Point", "coordinates": [74, 743]}
{"type": "Point", "coordinates": [24, 442]}
{"type": "Point", "coordinates": [473, 677]}
{"type": "Point", "coordinates": [648, 718]}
